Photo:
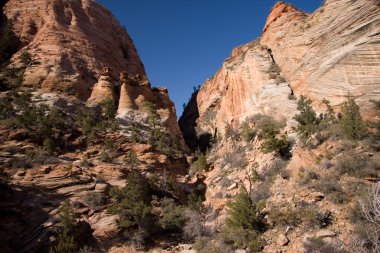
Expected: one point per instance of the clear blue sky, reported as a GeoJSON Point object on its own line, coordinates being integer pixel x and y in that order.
{"type": "Point", "coordinates": [184, 42]}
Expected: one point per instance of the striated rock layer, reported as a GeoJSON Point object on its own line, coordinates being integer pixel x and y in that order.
{"type": "Point", "coordinates": [327, 54]}
{"type": "Point", "coordinates": [70, 42]}
{"type": "Point", "coordinates": [103, 89]}
{"type": "Point", "coordinates": [136, 91]}
{"type": "Point", "coordinates": [332, 52]}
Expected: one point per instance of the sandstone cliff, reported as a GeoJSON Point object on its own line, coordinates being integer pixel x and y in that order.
{"type": "Point", "coordinates": [70, 42]}
{"type": "Point", "coordinates": [332, 52]}
{"type": "Point", "coordinates": [327, 54]}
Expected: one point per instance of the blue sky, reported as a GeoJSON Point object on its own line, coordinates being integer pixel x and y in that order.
{"type": "Point", "coordinates": [184, 42]}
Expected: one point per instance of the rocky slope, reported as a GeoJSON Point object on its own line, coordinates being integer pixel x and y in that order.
{"type": "Point", "coordinates": [327, 54]}
{"type": "Point", "coordinates": [312, 201]}
{"type": "Point", "coordinates": [75, 60]}
{"type": "Point", "coordinates": [70, 42]}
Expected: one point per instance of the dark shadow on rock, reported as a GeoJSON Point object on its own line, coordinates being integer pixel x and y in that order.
{"type": "Point", "coordinates": [188, 123]}
{"type": "Point", "coordinates": [24, 218]}
{"type": "Point", "coordinates": [9, 42]}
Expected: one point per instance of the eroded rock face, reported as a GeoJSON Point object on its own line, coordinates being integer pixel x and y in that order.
{"type": "Point", "coordinates": [330, 53]}
{"type": "Point", "coordinates": [136, 90]}
{"type": "Point", "coordinates": [248, 83]}
{"type": "Point", "coordinates": [327, 54]}
{"type": "Point", "coordinates": [103, 89]}
{"type": "Point", "coordinates": [71, 42]}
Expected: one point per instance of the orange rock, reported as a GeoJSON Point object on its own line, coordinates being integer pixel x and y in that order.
{"type": "Point", "coordinates": [73, 41]}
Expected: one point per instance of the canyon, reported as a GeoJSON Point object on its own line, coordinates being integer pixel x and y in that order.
{"type": "Point", "coordinates": [82, 128]}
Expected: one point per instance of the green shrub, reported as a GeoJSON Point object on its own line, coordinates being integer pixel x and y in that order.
{"type": "Point", "coordinates": [109, 109]}
{"type": "Point", "coordinates": [105, 157]}
{"type": "Point", "coordinates": [132, 204]}
{"type": "Point", "coordinates": [306, 118]}
{"type": "Point", "coordinates": [153, 116]}
{"type": "Point", "coordinates": [305, 214]}
{"type": "Point", "coordinates": [25, 58]}
{"type": "Point", "coordinates": [131, 158]}
{"type": "Point", "coordinates": [271, 142]}
{"type": "Point", "coordinates": [66, 240]}
{"type": "Point", "coordinates": [6, 109]}
{"type": "Point", "coordinates": [240, 238]}
{"type": "Point", "coordinates": [243, 213]}
{"type": "Point", "coordinates": [108, 144]}
{"type": "Point", "coordinates": [355, 164]}
{"type": "Point", "coordinates": [204, 245]}
{"type": "Point", "coordinates": [95, 200]}
{"type": "Point", "coordinates": [32, 30]}
{"type": "Point", "coordinates": [351, 123]}
{"type": "Point", "coordinates": [329, 117]}
{"type": "Point", "coordinates": [173, 216]}
{"type": "Point", "coordinates": [195, 201]}
{"type": "Point", "coordinates": [86, 120]}
{"type": "Point", "coordinates": [49, 145]}
{"type": "Point", "coordinates": [315, 244]}
{"type": "Point", "coordinates": [200, 164]}
{"type": "Point", "coordinates": [247, 133]}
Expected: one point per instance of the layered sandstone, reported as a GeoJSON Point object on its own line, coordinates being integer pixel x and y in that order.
{"type": "Point", "coordinates": [71, 43]}
{"type": "Point", "coordinates": [328, 54]}
{"type": "Point", "coordinates": [136, 91]}
{"type": "Point", "coordinates": [103, 89]}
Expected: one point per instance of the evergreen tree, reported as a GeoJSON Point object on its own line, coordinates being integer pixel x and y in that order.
{"type": "Point", "coordinates": [156, 135]}
{"type": "Point", "coordinates": [132, 159]}
{"type": "Point", "coordinates": [66, 240]}
{"type": "Point", "coordinates": [153, 116]}
{"type": "Point", "coordinates": [132, 203]}
{"type": "Point", "coordinates": [109, 109]}
{"type": "Point", "coordinates": [272, 143]}
{"type": "Point", "coordinates": [243, 213]}
{"type": "Point", "coordinates": [247, 133]}
{"type": "Point", "coordinates": [306, 118]}
{"type": "Point", "coordinates": [351, 123]}
{"type": "Point", "coordinates": [86, 120]}
{"type": "Point", "coordinates": [330, 115]}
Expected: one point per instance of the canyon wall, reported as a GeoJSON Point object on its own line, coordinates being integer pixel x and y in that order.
{"type": "Point", "coordinates": [330, 53]}
{"type": "Point", "coordinates": [70, 42]}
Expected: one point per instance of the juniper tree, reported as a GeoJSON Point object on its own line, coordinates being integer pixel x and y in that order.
{"type": "Point", "coordinates": [330, 115]}
{"type": "Point", "coordinates": [244, 213]}
{"type": "Point", "coordinates": [306, 118]}
{"type": "Point", "coordinates": [66, 240]}
{"type": "Point", "coordinates": [109, 109]}
{"type": "Point", "coordinates": [132, 203]}
{"type": "Point", "coordinates": [351, 123]}
{"type": "Point", "coordinates": [270, 140]}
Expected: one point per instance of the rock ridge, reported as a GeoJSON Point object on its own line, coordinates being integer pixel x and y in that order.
{"type": "Point", "coordinates": [71, 42]}
{"type": "Point", "coordinates": [330, 53]}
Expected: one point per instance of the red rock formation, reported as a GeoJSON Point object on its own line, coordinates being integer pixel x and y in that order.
{"type": "Point", "coordinates": [73, 41]}
{"type": "Point", "coordinates": [104, 89]}
{"type": "Point", "coordinates": [136, 90]}
{"type": "Point", "coordinates": [327, 54]}
{"type": "Point", "coordinates": [330, 53]}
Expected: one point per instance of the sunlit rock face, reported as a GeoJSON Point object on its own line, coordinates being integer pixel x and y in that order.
{"type": "Point", "coordinates": [330, 53]}
{"type": "Point", "coordinates": [136, 92]}
{"type": "Point", "coordinates": [71, 42]}
{"type": "Point", "coordinates": [103, 89]}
